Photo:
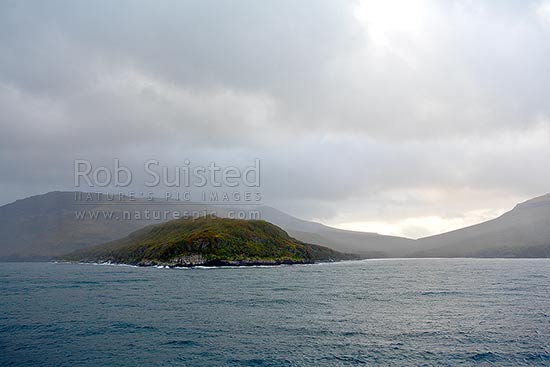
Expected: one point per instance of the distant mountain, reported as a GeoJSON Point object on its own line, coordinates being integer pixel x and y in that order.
{"type": "Point", "coordinates": [522, 232]}
{"type": "Point", "coordinates": [47, 225]}
{"type": "Point", "coordinates": [208, 241]}
{"type": "Point", "coordinates": [43, 226]}
{"type": "Point", "coordinates": [364, 243]}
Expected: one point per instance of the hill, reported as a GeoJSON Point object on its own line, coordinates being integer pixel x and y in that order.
{"type": "Point", "coordinates": [44, 226]}
{"type": "Point", "coordinates": [364, 243]}
{"type": "Point", "coordinates": [524, 231]}
{"type": "Point", "coordinates": [208, 241]}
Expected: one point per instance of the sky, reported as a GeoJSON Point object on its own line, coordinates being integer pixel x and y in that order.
{"type": "Point", "coordinates": [402, 117]}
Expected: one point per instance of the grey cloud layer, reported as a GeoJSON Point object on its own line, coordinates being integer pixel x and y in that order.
{"type": "Point", "coordinates": [341, 107]}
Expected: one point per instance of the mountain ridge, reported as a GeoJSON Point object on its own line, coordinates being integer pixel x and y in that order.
{"type": "Point", "coordinates": [523, 231]}
{"type": "Point", "coordinates": [42, 226]}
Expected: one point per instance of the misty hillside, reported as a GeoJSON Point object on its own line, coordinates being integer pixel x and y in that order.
{"type": "Point", "coordinates": [368, 244]}
{"type": "Point", "coordinates": [43, 226]}
{"type": "Point", "coordinates": [521, 232]}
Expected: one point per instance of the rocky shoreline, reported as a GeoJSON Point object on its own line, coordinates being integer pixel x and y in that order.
{"type": "Point", "coordinates": [190, 261]}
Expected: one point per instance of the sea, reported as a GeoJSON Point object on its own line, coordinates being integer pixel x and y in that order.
{"type": "Point", "coordinates": [390, 312]}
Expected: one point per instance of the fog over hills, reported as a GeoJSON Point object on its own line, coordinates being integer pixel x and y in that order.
{"type": "Point", "coordinates": [43, 226]}
{"type": "Point", "coordinates": [369, 244]}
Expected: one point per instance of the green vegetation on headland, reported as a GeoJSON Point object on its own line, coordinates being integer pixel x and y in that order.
{"type": "Point", "coordinates": [208, 241]}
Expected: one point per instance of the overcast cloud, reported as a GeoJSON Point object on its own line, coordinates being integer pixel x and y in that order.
{"type": "Point", "coordinates": [402, 117]}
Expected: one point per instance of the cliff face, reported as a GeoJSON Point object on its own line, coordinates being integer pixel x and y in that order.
{"type": "Point", "coordinates": [208, 241]}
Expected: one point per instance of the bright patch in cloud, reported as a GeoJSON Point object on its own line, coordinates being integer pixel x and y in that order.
{"type": "Point", "coordinates": [543, 10]}
{"type": "Point", "coordinates": [387, 23]}
{"type": "Point", "coordinates": [418, 227]}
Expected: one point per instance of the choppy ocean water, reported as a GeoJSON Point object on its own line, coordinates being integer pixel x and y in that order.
{"type": "Point", "coordinates": [418, 312]}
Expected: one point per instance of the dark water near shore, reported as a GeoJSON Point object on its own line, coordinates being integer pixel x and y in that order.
{"type": "Point", "coordinates": [457, 312]}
